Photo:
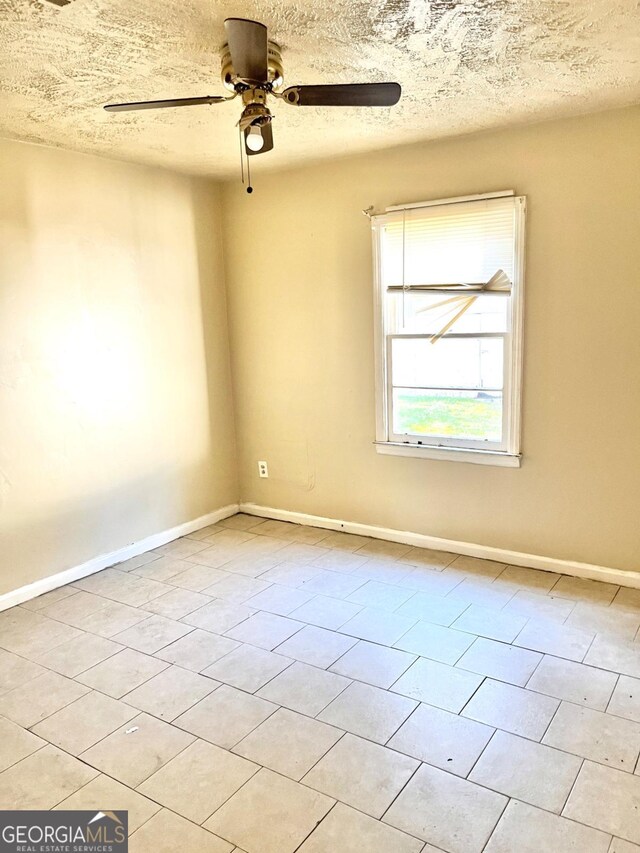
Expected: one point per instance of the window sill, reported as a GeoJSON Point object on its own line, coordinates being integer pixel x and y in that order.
{"type": "Point", "coordinates": [449, 454]}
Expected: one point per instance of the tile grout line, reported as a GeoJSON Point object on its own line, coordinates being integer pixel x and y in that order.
{"type": "Point", "coordinates": [615, 687]}
{"type": "Point", "coordinates": [492, 833]}
{"type": "Point", "coordinates": [573, 784]}
{"type": "Point", "coordinates": [504, 808]}
{"type": "Point", "coordinates": [319, 823]}
{"type": "Point", "coordinates": [482, 752]}
{"type": "Point", "coordinates": [45, 743]}
{"type": "Point", "coordinates": [391, 804]}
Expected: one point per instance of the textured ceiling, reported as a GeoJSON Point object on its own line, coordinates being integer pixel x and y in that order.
{"type": "Point", "coordinates": [463, 66]}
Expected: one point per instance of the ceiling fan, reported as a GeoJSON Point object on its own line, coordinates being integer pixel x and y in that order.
{"type": "Point", "coordinates": [252, 68]}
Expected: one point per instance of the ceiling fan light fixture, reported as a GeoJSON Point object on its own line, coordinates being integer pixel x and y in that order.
{"type": "Point", "coordinates": [254, 139]}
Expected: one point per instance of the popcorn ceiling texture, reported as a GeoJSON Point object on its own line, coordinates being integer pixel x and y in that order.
{"type": "Point", "coordinates": [463, 66]}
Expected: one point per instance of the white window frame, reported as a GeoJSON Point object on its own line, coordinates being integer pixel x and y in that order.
{"type": "Point", "coordinates": [508, 452]}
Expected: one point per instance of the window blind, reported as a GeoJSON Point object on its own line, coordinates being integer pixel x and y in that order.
{"type": "Point", "coordinates": [452, 244]}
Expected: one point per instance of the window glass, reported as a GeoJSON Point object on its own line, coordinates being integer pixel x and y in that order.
{"type": "Point", "coordinates": [465, 363]}
{"type": "Point", "coordinates": [472, 415]}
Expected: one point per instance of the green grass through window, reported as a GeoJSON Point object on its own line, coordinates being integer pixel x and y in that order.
{"type": "Point", "coordinates": [457, 417]}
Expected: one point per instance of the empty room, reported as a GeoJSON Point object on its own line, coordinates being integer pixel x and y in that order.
{"type": "Point", "coordinates": [319, 418]}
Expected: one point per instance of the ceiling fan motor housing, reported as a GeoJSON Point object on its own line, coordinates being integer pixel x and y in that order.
{"type": "Point", "coordinates": [275, 71]}
{"type": "Point", "coordinates": [254, 114]}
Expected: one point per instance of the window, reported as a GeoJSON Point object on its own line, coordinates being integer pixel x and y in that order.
{"type": "Point", "coordinates": [448, 279]}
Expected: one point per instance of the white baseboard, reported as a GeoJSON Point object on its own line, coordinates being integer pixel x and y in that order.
{"type": "Point", "coordinates": [39, 587]}
{"type": "Point", "coordinates": [420, 540]}
{"type": "Point", "coordinates": [470, 549]}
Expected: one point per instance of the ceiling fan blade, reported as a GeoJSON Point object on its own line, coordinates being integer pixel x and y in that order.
{"type": "Point", "coordinates": [156, 105]}
{"type": "Point", "coordinates": [267, 136]}
{"type": "Point", "coordinates": [344, 95]}
{"type": "Point", "coordinates": [248, 48]}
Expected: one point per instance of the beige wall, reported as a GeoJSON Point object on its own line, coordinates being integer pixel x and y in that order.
{"type": "Point", "coordinates": [115, 403]}
{"type": "Point", "coordinates": [300, 299]}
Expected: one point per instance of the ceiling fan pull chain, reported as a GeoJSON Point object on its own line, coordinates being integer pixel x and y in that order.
{"type": "Point", "coordinates": [249, 187]}
{"type": "Point", "coordinates": [404, 284]}
{"type": "Point", "coordinates": [241, 160]}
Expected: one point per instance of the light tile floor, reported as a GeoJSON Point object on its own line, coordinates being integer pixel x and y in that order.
{"type": "Point", "coordinates": [261, 687]}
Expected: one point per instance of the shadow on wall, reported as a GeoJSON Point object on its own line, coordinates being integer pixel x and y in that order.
{"type": "Point", "coordinates": [207, 229]}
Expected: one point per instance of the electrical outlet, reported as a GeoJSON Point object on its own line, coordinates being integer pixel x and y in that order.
{"type": "Point", "coordinates": [263, 469]}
